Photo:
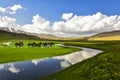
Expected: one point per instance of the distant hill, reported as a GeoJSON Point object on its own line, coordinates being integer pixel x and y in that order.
{"type": "Point", "coordinates": [5, 35]}
{"type": "Point", "coordinates": [46, 36]}
{"type": "Point", "coordinates": [11, 33]}
{"type": "Point", "coordinates": [113, 35]}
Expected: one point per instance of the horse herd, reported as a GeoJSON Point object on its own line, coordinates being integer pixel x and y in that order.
{"type": "Point", "coordinates": [33, 44]}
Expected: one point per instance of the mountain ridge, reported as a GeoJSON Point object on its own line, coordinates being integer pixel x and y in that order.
{"type": "Point", "coordinates": [112, 35]}
{"type": "Point", "coordinates": [5, 35]}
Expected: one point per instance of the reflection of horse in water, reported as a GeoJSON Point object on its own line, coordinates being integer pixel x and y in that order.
{"type": "Point", "coordinates": [20, 44]}
{"type": "Point", "coordinates": [6, 44]}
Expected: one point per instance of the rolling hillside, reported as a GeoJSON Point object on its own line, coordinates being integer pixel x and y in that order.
{"type": "Point", "coordinates": [5, 35]}
{"type": "Point", "coordinates": [113, 35]}
{"type": "Point", "coordinates": [11, 33]}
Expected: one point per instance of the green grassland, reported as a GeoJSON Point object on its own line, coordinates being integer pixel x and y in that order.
{"type": "Point", "coordinates": [12, 54]}
{"type": "Point", "coordinates": [104, 66]}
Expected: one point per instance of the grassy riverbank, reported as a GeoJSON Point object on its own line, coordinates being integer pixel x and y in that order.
{"type": "Point", "coordinates": [104, 66]}
{"type": "Point", "coordinates": [12, 54]}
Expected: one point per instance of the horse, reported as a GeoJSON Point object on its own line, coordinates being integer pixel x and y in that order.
{"type": "Point", "coordinates": [20, 44]}
{"type": "Point", "coordinates": [45, 44]}
{"type": "Point", "coordinates": [32, 44]}
{"type": "Point", "coordinates": [6, 44]}
{"type": "Point", "coordinates": [49, 44]}
{"type": "Point", "coordinates": [39, 44]}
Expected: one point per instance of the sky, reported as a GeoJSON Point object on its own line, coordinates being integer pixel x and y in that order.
{"type": "Point", "coordinates": [69, 18]}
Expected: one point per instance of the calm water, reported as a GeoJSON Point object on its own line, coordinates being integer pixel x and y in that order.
{"type": "Point", "coordinates": [36, 69]}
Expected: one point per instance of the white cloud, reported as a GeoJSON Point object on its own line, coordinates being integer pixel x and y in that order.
{"type": "Point", "coordinates": [117, 26]}
{"type": "Point", "coordinates": [86, 25]}
{"type": "Point", "coordinates": [38, 19]}
{"type": "Point", "coordinates": [3, 10]}
{"type": "Point", "coordinates": [6, 21]}
{"type": "Point", "coordinates": [75, 25]}
{"type": "Point", "coordinates": [67, 16]}
{"type": "Point", "coordinates": [39, 25]}
{"type": "Point", "coordinates": [16, 7]}
{"type": "Point", "coordinates": [11, 10]}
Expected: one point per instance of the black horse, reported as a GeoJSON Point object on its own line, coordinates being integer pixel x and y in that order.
{"type": "Point", "coordinates": [20, 44]}
{"type": "Point", "coordinates": [34, 44]}
{"type": "Point", "coordinates": [45, 44]}
{"type": "Point", "coordinates": [49, 44]}
{"type": "Point", "coordinates": [39, 44]}
{"type": "Point", "coordinates": [31, 44]}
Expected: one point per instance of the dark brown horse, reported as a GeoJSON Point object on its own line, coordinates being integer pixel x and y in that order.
{"type": "Point", "coordinates": [20, 44]}
{"type": "Point", "coordinates": [45, 44]}
{"type": "Point", "coordinates": [34, 44]}
{"type": "Point", "coordinates": [31, 44]}
{"type": "Point", "coordinates": [39, 44]}
{"type": "Point", "coordinates": [49, 44]}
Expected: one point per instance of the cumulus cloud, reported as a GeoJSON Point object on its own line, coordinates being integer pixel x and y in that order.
{"type": "Point", "coordinates": [39, 25]}
{"type": "Point", "coordinates": [11, 10]}
{"type": "Point", "coordinates": [75, 25]}
{"type": "Point", "coordinates": [67, 16]}
{"type": "Point", "coordinates": [16, 7]}
{"type": "Point", "coordinates": [3, 10]}
{"type": "Point", "coordinates": [86, 25]}
{"type": "Point", "coordinates": [6, 21]}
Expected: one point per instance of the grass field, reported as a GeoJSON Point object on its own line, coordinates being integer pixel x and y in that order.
{"type": "Point", "coordinates": [12, 54]}
{"type": "Point", "coordinates": [104, 66]}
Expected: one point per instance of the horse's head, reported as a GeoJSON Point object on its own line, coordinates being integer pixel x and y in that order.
{"type": "Point", "coordinates": [21, 42]}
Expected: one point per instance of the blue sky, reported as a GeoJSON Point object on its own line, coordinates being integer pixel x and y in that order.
{"type": "Point", "coordinates": [52, 10]}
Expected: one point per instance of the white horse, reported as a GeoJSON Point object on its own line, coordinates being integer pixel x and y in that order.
{"type": "Point", "coordinates": [6, 44]}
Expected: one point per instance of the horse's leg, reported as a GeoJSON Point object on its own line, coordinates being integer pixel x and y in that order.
{"type": "Point", "coordinates": [28, 45]}
{"type": "Point", "coordinates": [15, 45]}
